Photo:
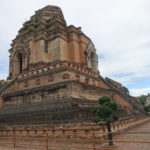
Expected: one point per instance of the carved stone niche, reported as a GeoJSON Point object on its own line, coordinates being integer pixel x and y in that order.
{"type": "Point", "coordinates": [77, 77]}
{"type": "Point", "coordinates": [50, 78]}
{"type": "Point", "coordinates": [66, 76]}
{"type": "Point", "coordinates": [37, 81]}
{"type": "Point", "coordinates": [93, 81]}
{"type": "Point", "coordinates": [87, 80]}
{"type": "Point", "coordinates": [26, 83]}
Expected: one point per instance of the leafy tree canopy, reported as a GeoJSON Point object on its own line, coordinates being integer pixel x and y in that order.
{"type": "Point", "coordinates": [103, 100]}
{"type": "Point", "coordinates": [147, 108]}
{"type": "Point", "coordinates": [106, 111]}
{"type": "Point", "coordinates": [143, 99]}
{"type": "Point", "coordinates": [105, 115]}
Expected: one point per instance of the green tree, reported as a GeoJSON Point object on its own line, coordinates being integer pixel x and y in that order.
{"type": "Point", "coordinates": [147, 108]}
{"type": "Point", "coordinates": [105, 114]}
{"type": "Point", "coordinates": [142, 99]}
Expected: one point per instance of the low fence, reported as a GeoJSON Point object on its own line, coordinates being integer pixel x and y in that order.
{"type": "Point", "coordinates": [78, 138]}
{"type": "Point", "coordinates": [125, 140]}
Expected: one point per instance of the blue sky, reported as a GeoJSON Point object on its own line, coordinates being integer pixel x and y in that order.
{"type": "Point", "coordinates": [119, 29]}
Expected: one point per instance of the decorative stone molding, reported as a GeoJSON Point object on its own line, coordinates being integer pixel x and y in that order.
{"type": "Point", "coordinates": [50, 78]}
{"type": "Point", "coordinates": [77, 77]}
{"type": "Point", "coordinates": [87, 80]}
{"type": "Point", "coordinates": [93, 81]}
{"type": "Point", "coordinates": [50, 68]}
{"type": "Point", "coordinates": [66, 76]}
{"type": "Point", "coordinates": [37, 81]}
{"type": "Point", "coordinates": [26, 83]}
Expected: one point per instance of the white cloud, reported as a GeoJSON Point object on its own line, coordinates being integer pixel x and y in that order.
{"type": "Point", "coordinates": [138, 92]}
{"type": "Point", "coordinates": [3, 76]}
{"type": "Point", "coordinates": [126, 75]}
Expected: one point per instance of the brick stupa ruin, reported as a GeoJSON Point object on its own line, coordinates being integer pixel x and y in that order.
{"type": "Point", "coordinates": [54, 76]}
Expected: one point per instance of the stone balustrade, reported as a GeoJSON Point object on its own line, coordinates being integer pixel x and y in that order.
{"type": "Point", "coordinates": [76, 131]}
{"type": "Point", "coordinates": [60, 65]}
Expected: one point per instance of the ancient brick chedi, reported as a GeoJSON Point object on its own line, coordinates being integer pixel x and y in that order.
{"type": "Point", "coordinates": [53, 74]}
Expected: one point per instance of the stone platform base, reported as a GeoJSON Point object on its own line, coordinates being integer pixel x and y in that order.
{"type": "Point", "coordinates": [114, 147]}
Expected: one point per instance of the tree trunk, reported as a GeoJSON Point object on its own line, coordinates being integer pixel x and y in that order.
{"type": "Point", "coordinates": [110, 137]}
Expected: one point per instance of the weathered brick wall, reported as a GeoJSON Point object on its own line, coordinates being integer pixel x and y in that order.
{"type": "Point", "coordinates": [71, 102]}
{"type": "Point", "coordinates": [58, 111]}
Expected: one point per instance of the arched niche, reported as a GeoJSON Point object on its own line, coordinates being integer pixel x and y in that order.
{"type": "Point", "coordinates": [86, 57]}
{"type": "Point", "coordinates": [93, 59]}
{"type": "Point", "coordinates": [18, 63]}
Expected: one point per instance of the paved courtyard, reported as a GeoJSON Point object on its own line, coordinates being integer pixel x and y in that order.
{"type": "Point", "coordinates": [142, 134]}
